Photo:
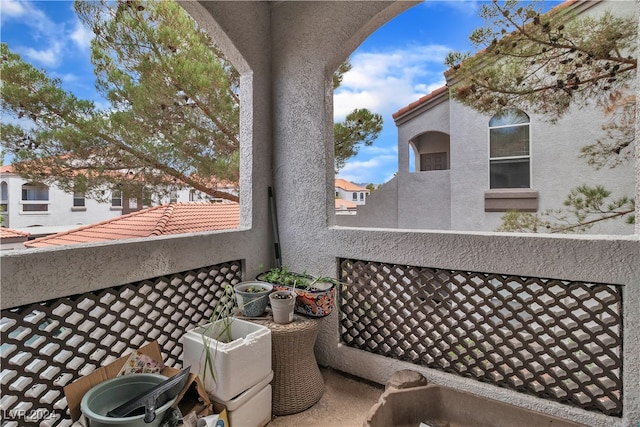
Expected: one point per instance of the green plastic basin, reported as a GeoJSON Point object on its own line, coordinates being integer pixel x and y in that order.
{"type": "Point", "coordinates": [112, 393]}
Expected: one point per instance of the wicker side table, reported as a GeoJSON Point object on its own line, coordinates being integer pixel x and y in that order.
{"type": "Point", "coordinates": [297, 380]}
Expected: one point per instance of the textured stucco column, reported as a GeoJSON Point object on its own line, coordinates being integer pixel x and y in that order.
{"type": "Point", "coordinates": [310, 40]}
{"type": "Point", "coordinates": [242, 30]}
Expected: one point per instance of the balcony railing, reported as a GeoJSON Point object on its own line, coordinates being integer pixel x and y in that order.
{"type": "Point", "coordinates": [48, 345]}
{"type": "Point", "coordinates": [554, 339]}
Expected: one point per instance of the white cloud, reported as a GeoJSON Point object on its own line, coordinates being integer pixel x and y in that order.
{"type": "Point", "coordinates": [384, 82]}
{"type": "Point", "coordinates": [81, 36]}
{"type": "Point", "coordinates": [366, 171]}
{"type": "Point", "coordinates": [47, 42]}
{"type": "Point", "coordinates": [50, 57]}
{"type": "Point", "coordinates": [13, 9]}
{"type": "Point", "coordinates": [375, 150]}
{"type": "Point", "coordinates": [31, 16]}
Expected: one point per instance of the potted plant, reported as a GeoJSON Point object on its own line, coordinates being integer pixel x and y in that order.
{"type": "Point", "coordinates": [315, 295]}
{"type": "Point", "coordinates": [252, 297]}
{"type": "Point", "coordinates": [283, 304]}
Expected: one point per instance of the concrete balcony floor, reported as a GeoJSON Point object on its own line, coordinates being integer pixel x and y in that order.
{"type": "Point", "coordinates": [345, 403]}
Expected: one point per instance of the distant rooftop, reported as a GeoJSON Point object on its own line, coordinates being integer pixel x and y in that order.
{"type": "Point", "coordinates": [345, 204]}
{"type": "Point", "coordinates": [348, 186]}
{"type": "Point", "coordinates": [8, 233]}
{"type": "Point", "coordinates": [175, 218]}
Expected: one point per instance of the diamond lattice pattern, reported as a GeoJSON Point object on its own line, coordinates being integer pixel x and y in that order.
{"type": "Point", "coordinates": [555, 339]}
{"type": "Point", "coordinates": [47, 346]}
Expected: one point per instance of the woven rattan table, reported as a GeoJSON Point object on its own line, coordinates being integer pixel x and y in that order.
{"type": "Point", "coordinates": [297, 380]}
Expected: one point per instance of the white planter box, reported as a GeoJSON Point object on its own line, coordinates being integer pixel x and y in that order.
{"type": "Point", "coordinates": [238, 365]}
{"type": "Point", "coordinates": [252, 408]}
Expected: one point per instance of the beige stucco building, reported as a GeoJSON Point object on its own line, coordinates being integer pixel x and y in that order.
{"type": "Point", "coordinates": [447, 179]}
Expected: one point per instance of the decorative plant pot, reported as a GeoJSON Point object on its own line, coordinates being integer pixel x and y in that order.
{"type": "Point", "coordinates": [282, 305]}
{"type": "Point", "coordinates": [112, 393]}
{"type": "Point", "coordinates": [252, 297]}
{"type": "Point", "coordinates": [318, 301]}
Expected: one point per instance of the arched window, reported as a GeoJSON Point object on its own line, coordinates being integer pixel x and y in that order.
{"type": "Point", "coordinates": [355, 197]}
{"type": "Point", "coordinates": [4, 197]}
{"type": "Point", "coordinates": [509, 159]}
{"type": "Point", "coordinates": [33, 196]}
{"type": "Point", "coordinates": [362, 197]}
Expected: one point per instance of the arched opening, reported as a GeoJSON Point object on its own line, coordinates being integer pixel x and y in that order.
{"type": "Point", "coordinates": [431, 151]}
{"type": "Point", "coordinates": [35, 197]}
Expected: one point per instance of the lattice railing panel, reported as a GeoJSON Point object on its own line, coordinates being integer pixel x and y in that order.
{"type": "Point", "coordinates": [49, 345]}
{"type": "Point", "coordinates": [555, 339]}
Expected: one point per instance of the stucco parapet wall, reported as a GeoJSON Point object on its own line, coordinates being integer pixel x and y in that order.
{"type": "Point", "coordinates": [43, 274]}
{"type": "Point", "coordinates": [588, 258]}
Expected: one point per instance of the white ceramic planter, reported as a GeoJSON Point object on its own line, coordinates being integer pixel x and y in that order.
{"type": "Point", "coordinates": [282, 308]}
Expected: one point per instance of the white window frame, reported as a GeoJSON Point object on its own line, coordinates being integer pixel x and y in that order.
{"type": "Point", "coordinates": [37, 201]}
{"type": "Point", "coordinates": [527, 157]}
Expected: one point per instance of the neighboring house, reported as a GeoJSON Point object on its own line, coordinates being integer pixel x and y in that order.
{"type": "Point", "coordinates": [350, 192]}
{"type": "Point", "coordinates": [451, 177]}
{"type": "Point", "coordinates": [12, 239]}
{"type": "Point", "coordinates": [345, 207]}
{"type": "Point", "coordinates": [174, 218]}
{"type": "Point", "coordinates": [42, 210]}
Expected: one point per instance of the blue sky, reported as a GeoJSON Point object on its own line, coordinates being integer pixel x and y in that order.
{"type": "Point", "coordinates": [395, 66]}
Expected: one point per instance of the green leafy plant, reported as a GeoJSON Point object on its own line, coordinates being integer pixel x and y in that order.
{"type": "Point", "coordinates": [282, 276]}
{"type": "Point", "coordinates": [218, 329]}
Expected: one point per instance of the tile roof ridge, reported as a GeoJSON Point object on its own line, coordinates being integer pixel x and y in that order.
{"type": "Point", "coordinates": [422, 100]}
{"type": "Point", "coordinates": [87, 226]}
{"type": "Point", "coordinates": [158, 230]}
{"type": "Point", "coordinates": [6, 232]}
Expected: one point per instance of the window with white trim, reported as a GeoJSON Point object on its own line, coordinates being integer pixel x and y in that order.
{"type": "Point", "coordinates": [509, 158]}
{"type": "Point", "coordinates": [33, 196]}
{"type": "Point", "coordinates": [116, 198]}
{"type": "Point", "coordinates": [78, 199]}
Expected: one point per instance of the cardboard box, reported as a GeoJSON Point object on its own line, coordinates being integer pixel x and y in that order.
{"type": "Point", "coordinates": [193, 396]}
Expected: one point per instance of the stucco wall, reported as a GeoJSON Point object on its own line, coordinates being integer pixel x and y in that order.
{"type": "Point", "coordinates": [381, 209]}
{"type": "Point", "coordinates": [59, 208]}
{"type": "Point", "coordinates": [424, 200]}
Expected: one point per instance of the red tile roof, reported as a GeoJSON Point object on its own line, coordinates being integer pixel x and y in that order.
{"type": "Point", "coordinates": [348, 186]}
{"type": "Point", "coordinates": [419, 102]}
{"type": "Point", "coordinates": [6, 169]}
{"type": "Point", "coordinates": [175, 218]}
{"type": "Point", "coordinates": [345, 204]}
{"type": "Point", "coordinates": [8, 233]}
